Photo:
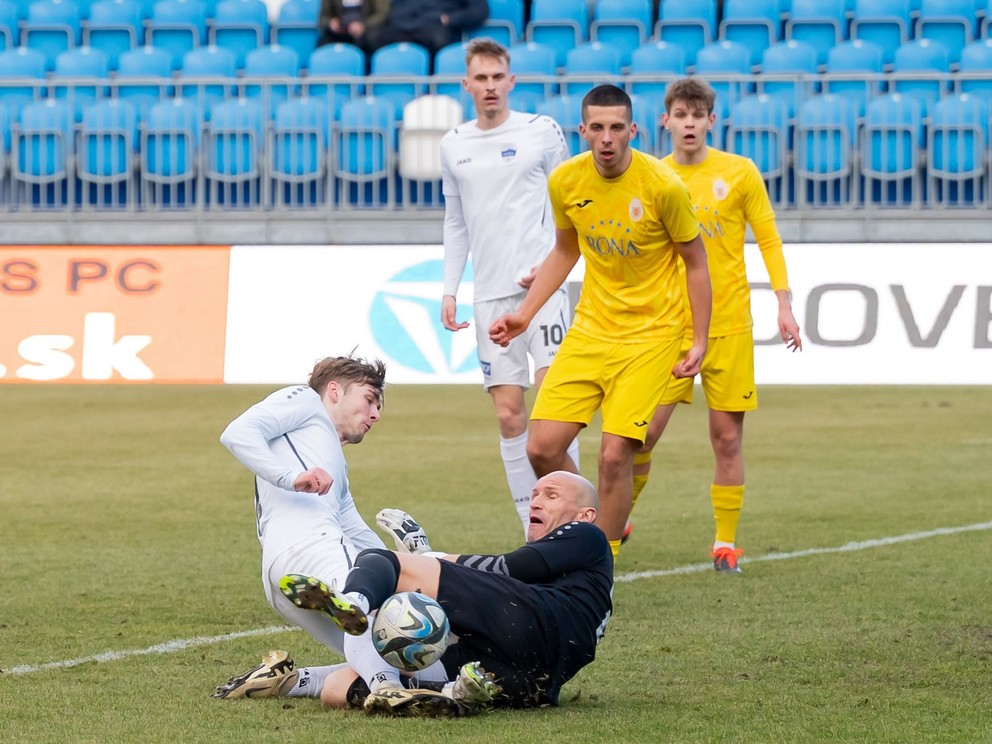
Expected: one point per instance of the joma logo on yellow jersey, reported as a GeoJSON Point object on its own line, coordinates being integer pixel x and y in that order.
{"type": "Point", "coordinates": [605, 246]}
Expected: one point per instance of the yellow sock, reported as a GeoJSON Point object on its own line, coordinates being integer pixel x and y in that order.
{"type": "Point", "coordinates": [727, 503]}
{"type": "Point", "coordinates": [640, 481]}
{"type": "Point", "coordinates": [615, 547]}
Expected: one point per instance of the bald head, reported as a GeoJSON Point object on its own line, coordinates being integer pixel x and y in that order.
{"type": "Point", "coordinates": [559, 498]}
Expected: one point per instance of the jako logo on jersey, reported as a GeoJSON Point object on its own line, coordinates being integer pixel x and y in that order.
{"type": "Point", "coordinates": [636, 210]}
{"type": "Point", "coordinates": [720, 189]}
{"type": "Point", "coordinates": [508, 153]}
{"type": "Point", "coordinates": [405, 319]}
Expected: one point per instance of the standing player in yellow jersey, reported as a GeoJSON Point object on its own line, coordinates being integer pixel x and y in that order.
{"type": "Point", "coordinates": [630, 217]}
{"type": "Point", "coordinates": [729, 194]}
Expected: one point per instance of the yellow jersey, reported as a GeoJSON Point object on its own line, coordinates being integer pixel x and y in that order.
{"type": "Point", "coordinates": [627, 227]}
{"type": "Point", "coordinates": [729, 194]}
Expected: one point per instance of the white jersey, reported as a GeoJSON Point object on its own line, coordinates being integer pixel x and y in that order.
{"type": "Point", "coordinates": [496, 194]}
{"type": "Point", "coordinates": [279, 438]}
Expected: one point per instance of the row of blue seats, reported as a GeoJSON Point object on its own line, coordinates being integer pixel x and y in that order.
{"type": "Point", "coordinates": [564, 24]}
{"type": "Point", "coordinates": [825, 150]}
{"type": "Point", "coordinates": [401, 70]}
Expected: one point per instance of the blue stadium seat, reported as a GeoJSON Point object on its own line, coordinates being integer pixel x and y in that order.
{"type": "Point", "coordinates": [240, 25]}
{"type": "Point", "coordinates": [77, 63]}
{"type": "Point", "coordinates": [177, 26]}
{"type": "Point", "coordinates": [861, 63]}
{"type": "Point", "coordinates": [28, 67]}
{"type": "Point", "coordinates": [449, 71]}
{"type": "Point", "coordinates": [826, 133]}
{"type": "Point", "coordinates": [891, 147]}
{"type": "Point", "coordinates": [626, 24]}
{"type": "Point", "coordinates": [207, 74]}
{"type": "Point", "coordinates": [42, 145]}
{"type": "Point", "coordinates": [752, 23]}
{"type": "Point", "coordinates": [758, 130]}
{"type": "Point", "coordinates": [559, 24]}
{"type": "Point", "coordinates": [233, 145]}
{"type": "Point", "coordinates": [647, 111]}
{"type": "Point", "coordinates": [364, 147]}
{"type": "Point", "coordinates": [975, 69]}
{"type": "Point", "coordinates": [791, 59]}
{"type": "Point", "coordinates": [52, 27]}
{"type": "Point", "coordinates": [296, 27]}
{"type": "Point", "coordinates": [653, 59]}
{"type": "Point", "coordinates": [535, 66]}
{"type": "Point", "coordinates": [400, 60]}
{"type": "Point", "coordinates": [171, 135]}
{"type": "Point", "coordinates": [10, 28]}
{"type": "Point", "coordinates": [108, 144]}
{"type": "Point", "coordinates": [298, 151]}
{"type": "Point", "coordinates": [725, 65]}
{"type": "Point", "coordinates": [958, 151]}
{"type": "Point", "coordinates": [887, 23]}
{"type": "Point", "coordinates": [951, 22]}
{"type": "Point", "coordinates": [505, 23]}
{"type": "Point", "coordinates": [279, 67]}
{"type": "Point", "coordinates": [820, 23]}
{"type": "Point", "coordinates": [594, 61]}
{"type": "Point", "coordinates": [690, 24]}
{"type": "Point", "coordinates": [340, 61]}
{"type": "Point", "coordinates": [567, 111]}
{"type": "Point", "coordinates": [151, 71]}
{"type": "Point", "coordinates": [114, 27]}
{"type": "Point", "coordinates": [919, 68]}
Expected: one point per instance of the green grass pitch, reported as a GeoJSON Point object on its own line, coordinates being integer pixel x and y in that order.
{"type": "Point", "coordinates": [127, 537]}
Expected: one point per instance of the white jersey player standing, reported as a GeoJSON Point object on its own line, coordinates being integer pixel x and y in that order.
{"type": "Point", "coordinates": [306, 516]}
{"type": "Point", "coordinates": [495, 170]}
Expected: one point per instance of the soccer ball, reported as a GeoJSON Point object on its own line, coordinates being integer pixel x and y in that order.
{"type": "Point", "coordinates": [410, 631]}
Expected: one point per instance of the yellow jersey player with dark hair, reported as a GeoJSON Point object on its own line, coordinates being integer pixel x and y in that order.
{"type": "Point", "coordinates": [729, 194]}
{"type": "Point", "coordinates": [631, 219]}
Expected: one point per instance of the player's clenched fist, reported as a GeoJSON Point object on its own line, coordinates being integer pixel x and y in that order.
{"type": "Point", "coordinates": [314, 480]}
{"type": "Point", "coordinates": [506, 328]}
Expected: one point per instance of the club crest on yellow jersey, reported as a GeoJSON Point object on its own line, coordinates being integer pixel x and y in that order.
{"type": "Point", "coordinates": [636, 210]}
{"type": "Point", "coordinates": [720, 189]}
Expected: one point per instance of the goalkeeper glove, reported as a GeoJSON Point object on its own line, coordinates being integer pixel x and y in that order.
{"type": "Point", "coordinates": [409, 536]}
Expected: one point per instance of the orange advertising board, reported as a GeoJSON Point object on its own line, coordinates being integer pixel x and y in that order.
{"type": "Point", "coordinates": [113, 313]}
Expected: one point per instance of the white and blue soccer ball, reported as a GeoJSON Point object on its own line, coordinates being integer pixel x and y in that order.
{"type": "Point", "coordinates": [410, 631]}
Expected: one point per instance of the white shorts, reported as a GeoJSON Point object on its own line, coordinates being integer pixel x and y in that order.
{"type": "Point", "coordinates": [509, 365]}
{"type": "Point", "coordinates": [322, 557]}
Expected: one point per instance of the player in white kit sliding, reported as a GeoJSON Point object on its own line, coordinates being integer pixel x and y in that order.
{"type": "Point", "coordinates": [307, 522]}
{"type": "Point", "coordinates": [495, 170]}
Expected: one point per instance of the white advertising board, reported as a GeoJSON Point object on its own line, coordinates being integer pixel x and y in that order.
{"type": "Point", "coordinates": [869, 314]}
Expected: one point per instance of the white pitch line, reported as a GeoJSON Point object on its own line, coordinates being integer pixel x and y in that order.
{"type": "Point", "coordinates": [849, 548]}
{"type": "Point", "coordinates": [159, 648]}
{"type": "Point", "coordinates": [183, 644]}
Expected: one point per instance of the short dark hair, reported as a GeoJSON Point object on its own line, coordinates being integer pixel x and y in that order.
{"type": "Point", "coordinates": [692, 91]}
{"type": "Point", "coordinates": [347, 371]}
{"type": "Point", "coordinates": [607, 95]}
{"type": "Point", "coordinates": [483, 46]}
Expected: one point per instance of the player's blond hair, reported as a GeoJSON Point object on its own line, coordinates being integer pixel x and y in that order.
{"type": "Point", "coordinates": [483, 46]}
{"type": "Point", "coordinates": [347, 371]}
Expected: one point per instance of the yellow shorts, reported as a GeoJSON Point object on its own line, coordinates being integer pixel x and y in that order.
{"type": "Point", "coordinates": [727, 375]}
{"type": "Point", "coordinates": [625, 381]}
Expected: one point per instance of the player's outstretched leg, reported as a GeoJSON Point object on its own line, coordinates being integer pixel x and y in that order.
{"type": "Point", "coordinates": [398, 701]}
{"type": "Point", "coordinates": [274, 677]}
{"type": "Point", "coordinates": [309, 593]}
{"type": "Point", "coordinates": [474, 688]}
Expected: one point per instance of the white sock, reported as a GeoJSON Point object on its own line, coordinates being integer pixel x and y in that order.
{"type": "Point", "coordinates": [519, 475]}
{"type": "Point", "coordinates": [365, 660]}
{"type": "Point", "coordinates": [357, 598]}
{"type": "Point", "coordinates": [573, 452]}
{"type": "Point", "coordinates": [311, 680]}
